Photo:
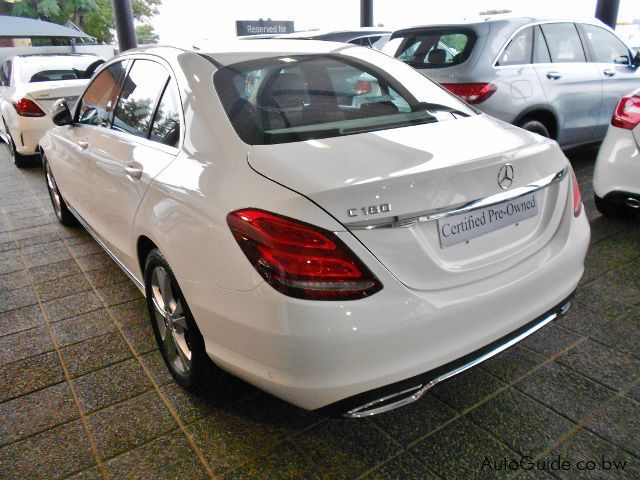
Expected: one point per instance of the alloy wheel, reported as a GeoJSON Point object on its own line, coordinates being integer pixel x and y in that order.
{"type": "Point", "coordinates": [171, 321]}
{"type": "Point", "coordinates": [56, 201]}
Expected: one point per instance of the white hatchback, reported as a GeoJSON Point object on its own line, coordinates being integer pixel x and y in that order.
{"type": "Point", "coordinates": [338, 254]}
{"type": "Point", "coordinates": [29, 85]}
{"type": "Point", "coordinates": [616, 177]}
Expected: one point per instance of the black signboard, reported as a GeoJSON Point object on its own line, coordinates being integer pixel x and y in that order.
{"type": "Point", "coordinates": [263, 27]}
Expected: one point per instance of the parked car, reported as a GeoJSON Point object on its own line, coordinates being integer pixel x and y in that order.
{"type": "Point", "coordinates": [616, 178]}
{"type": "Point", "coordinates": [337, 256]}
{"type": "Point", "coordinates": [365, 37]}
{"type": "Point", "coordinates": [29, 85]}
{"type": "Point", "coordinates": [560, 78]}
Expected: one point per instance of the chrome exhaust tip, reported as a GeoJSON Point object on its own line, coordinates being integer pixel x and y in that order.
{"type": "Point", "coordinates": [632, 202]}
{"type": "Point", "coordinates": [564, 309]}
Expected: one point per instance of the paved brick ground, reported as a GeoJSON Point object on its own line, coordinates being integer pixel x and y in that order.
{"type": "Point", "coordinates": [84, 393]}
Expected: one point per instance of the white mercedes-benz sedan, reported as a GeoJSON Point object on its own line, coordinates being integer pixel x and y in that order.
{"type": "Point", "coordinates": [616, 177]}
{"type": "Point", "coordinates": [29, 86]}
{"type": "Point", "coordinates": [341, 255]}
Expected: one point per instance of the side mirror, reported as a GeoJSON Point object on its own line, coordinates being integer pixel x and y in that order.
{"type": "Point", "coordinates": [636, 59]}
{"type": "Point", "coordinates": [622, 60]}
{"type": "Point", "coordinates": [60, 113]}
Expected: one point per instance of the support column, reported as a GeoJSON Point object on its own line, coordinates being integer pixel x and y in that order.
{"type": "Point", "coordinates": [607, 11]}
{"type": "Point", "coordinates": [123, 16]}
{"type": "Point", "coordinates": [366, 13]}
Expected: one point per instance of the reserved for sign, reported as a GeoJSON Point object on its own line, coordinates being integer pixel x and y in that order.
{"type": "Point", "coordinates": [468, 225]}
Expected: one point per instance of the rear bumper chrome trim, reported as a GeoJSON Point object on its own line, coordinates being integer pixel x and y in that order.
{"type": "Point", "coordinates": [409, 221]}
{"type": "Point", "coordinates": [386, 402]}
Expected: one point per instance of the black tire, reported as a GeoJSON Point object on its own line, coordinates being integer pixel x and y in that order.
{"type": "Point", "coordinates": [200, 367]}
{"type": "Point", "coordinates": [535, 126]}
{"type": "Point", "coordinates": [613, 209]}
{"type": "Point", "coordinates": [64, 215]}
{"type": "Point", "coordinates": [19, 160]}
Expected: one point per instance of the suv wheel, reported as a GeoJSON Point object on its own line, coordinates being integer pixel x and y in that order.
{"type": "Point", "coordinates": [535, 126]}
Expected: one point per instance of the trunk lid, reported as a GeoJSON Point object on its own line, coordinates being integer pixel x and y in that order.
{"type": "Point", "coordinates": [406, 172]}
{"type": "Point", "coordinates": [45, 94]}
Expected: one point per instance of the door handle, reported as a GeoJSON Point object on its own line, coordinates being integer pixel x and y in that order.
{"type": "Point", "coordinates": [134, 170]}
{"type": "Point", "coordinates": [83, 145]}
{"type": "Point", "coordinates": [608, 72]}
{"type": "Point", "coordinates": [553, 75]}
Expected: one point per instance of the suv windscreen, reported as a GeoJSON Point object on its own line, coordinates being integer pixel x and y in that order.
{"type": "Point", "coordinates": [436, 48]}
{"type": "Point", "coordinates": [305, 97]}
{"type": "Point", "coordinates": [47, 69]}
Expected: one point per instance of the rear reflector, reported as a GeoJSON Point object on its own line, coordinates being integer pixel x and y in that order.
{"type": "Point", "coordinates": [471, 92]}
{"type": "Point", "coordinates": [301, 260]}
{"type": "Point", "coordinates": [362, 87]}
{"type": "Point", "coordinates": [577, 197]}
{"type": "Point", "coordinates": [627, 112]}
{"type": "Point", "coordinates": [27, 108]}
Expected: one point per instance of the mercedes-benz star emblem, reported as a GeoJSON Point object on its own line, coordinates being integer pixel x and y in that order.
{"type": "Point", "coordinates": [506, 176]}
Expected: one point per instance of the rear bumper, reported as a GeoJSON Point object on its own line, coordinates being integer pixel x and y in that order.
{"type": "Point", "coordinates": [412, 389]}
{"type": "Point", "coordinates": [27, 132]}
{"type": "Point", "coordinates": [616, 174]}
{"type": "Point", "coordinates": [315, 354]}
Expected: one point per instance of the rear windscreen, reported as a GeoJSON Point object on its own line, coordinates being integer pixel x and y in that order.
{"type": "Point", "coordinates": [436, 48]}
{"type": "Point", "coordinates": [48, 69]}
{"type": "Point", "coordinates": [305, 97]}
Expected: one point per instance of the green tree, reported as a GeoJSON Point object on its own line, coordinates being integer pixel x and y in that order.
{"type": "Point", "coordinates": [95, 17]}
{"type": "Point", "coordinates": [146, 35]}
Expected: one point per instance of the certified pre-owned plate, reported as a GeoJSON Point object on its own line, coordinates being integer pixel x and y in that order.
{"type": "Point", "coordinates": [468, 225]}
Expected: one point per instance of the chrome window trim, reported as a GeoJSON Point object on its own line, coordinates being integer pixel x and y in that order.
{"type": "Point", "coordinates": [543, 22]}
{"type": "Point", "coordinates": [366, 410]}
{"type": "Point", "coordinates": [97, 238]}
{"type": "Point", "coordinates": [435, 214]}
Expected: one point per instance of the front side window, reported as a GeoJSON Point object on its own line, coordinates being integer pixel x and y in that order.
{"type": "Point", "coordinates": [166, 122]}
{"type": "Point", "coordinates": [140, 92]}
{"type": "Point", "coordinates": [518, 52]}
{"type": "Point", "coordinates": [304, 97]}
{"type": "Point", "coordinates": [97, 103]}
{"type": "Point", "coordinates": [607, 48]}
{"type": "Point", "coordinates": [435, 48]}
{"type": "Point", "coordinates": [564, 42]}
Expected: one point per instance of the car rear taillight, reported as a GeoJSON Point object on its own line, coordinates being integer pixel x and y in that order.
{"type": "Point", "coordinates": [301, 260]}
{"type": "Point", "coordinates": [577, 198]}
{"type": "Point", "coordinates": [627, 112]}
{"type": "Point", "coordinates": [362, 87]}
{"type": "Point", "coordinates": [471, 92]}
{"type": "Point", "coordinates": [27, 108]}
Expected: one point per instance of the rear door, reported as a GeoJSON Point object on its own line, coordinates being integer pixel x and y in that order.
{"type": "Point", "coordinates": [6, 91]}
{"type": "Point", "coordinates": [613, 62]}
{"type": "Point", "coordinates": [72, 165]}
{"type": "Point", "coordinates": [142, 141]}
{"type": "Point", "coordinates": [572, 85]}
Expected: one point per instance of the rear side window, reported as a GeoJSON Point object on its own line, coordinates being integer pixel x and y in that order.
{"type": "Point", "coordinates": [564, 42]}
{"type": "Point", "coordinates": [96, 105]}
{"type": "Point", "coordinates": [306, 97]}
{"type": "Point", "coordinates": [166, 122]}
{"type": "Point", "coordinates": [518, 51]}
{"type": "Point", "coordinates": [5, 73]}
{"type": "Point", "coordinates": [140, 92]}
{"type": "Point", "coordinates": [436, 48]}
{"type": "Point", "coordinates": [606, 46]}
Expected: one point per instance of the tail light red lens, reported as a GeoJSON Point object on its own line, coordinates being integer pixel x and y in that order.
{"type": "Point", "coordinates": [301, 260]}
{"type": "Point", "coordinates": [471, 92]}
{"type": "Point", "coordinates": [627, 112]}
{"type": "Point", "coordinates": [27, 108]}
{"type": "Point", "coordinates": [577, 197]}
{"type": "Point", "coordinates": [362, 87]}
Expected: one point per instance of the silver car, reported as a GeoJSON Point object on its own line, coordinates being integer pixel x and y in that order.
{"type": "Point", "coordinates": [559, 78]}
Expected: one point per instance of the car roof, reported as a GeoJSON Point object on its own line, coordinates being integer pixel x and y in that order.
{"type": "Point", "coordinates": [515, 20]}
{"type": "Point", "coordinates": [37, 56]}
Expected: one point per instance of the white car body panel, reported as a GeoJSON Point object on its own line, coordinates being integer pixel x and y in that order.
{"type": "Point", "coordinates": [617, 167]}
{"type": "Point", "coordinates": [314, 353]}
